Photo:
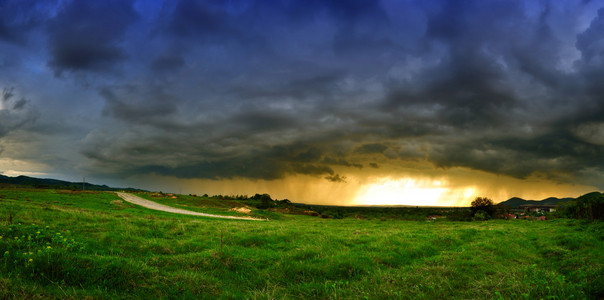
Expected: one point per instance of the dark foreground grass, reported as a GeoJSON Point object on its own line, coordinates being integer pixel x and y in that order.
{"type": "Point", "coordinates": [77, 245]}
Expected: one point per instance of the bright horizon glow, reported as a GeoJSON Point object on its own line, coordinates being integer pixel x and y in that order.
{"type": "Point", "coordinates": [13, 173]}
{"type": "Point", "coordinates": [406, 191]}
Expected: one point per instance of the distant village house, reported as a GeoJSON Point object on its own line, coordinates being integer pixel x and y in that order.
{"type": "Point", "coordinates": [539, 208]}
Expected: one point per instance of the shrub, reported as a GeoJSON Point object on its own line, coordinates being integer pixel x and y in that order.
{"type": "Point", "coordinates": [481, 215]}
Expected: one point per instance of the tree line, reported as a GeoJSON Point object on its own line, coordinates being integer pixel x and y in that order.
{"type": "Point", "coordinates": [587, 207]}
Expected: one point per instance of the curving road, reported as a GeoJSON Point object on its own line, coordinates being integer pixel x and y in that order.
{"type": "Point", "coordinates": [156, 206]}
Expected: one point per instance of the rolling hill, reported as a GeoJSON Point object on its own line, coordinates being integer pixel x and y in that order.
{"type": "Point", "coordinates": [58, 184]}
{"type": "Point", "coordinates": [515, 202]}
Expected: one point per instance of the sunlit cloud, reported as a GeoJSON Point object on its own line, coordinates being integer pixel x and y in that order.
{"type": "Point", "coordinates": [15, 167]}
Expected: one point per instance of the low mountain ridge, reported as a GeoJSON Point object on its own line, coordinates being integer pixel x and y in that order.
{"type": "Point", "coordinates": [47, 183]}
{"type": "Point", "coordinates": [515, 202]}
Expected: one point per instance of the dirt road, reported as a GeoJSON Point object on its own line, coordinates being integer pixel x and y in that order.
{"type": "Point", "coordinates": [156, 206]}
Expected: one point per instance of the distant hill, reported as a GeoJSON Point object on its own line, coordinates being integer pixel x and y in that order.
{"type": "Point", "coordinates": [515, 202]}
{"type": "Point", "coordinates": [46, 183]}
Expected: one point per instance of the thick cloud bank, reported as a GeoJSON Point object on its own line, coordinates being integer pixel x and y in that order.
{"type": "Point", "coordinates": [269, 89]}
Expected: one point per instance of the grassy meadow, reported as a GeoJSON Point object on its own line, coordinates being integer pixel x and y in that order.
{"type": "Point", "coordinates": [64, 244]}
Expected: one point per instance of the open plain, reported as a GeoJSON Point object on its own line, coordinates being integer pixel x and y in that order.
{"type": "Point", "coordinates": [67, 244]}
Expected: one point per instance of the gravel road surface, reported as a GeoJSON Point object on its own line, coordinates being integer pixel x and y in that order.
{"type": "Point", "coordinates": [156, 206]}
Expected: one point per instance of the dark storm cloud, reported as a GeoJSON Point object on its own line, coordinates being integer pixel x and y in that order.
{"type": "Point", "coordinates": [138, 106]}
{"type": "Point", "coordinates": [336, 178]}
{"type": "Point", "coordinates": [247, 168]}
{"type": "Point", "coordinates": [189, 18]}
{"type": "Point", "coordinates": [255, 169]}
{"type": "Point", "coordinates": [371, 149]}
{"type": "Point", "coordinates": [7, 94]}
{"type": "Point", "coordinates": [15, 113]}
{"type": "Point", "coordinates": [168, 63]}
{"type": "Point", "coordinates": [205, 158]}
{"type": "Point", "coordinates": [10, 29]}
{"type": "Point", "coordinates": [19, 17]}
{"type": "Point", "coordinates": [265, 89]}
{"type": "Point", "coordinates": [487, 68]}
{"type": "Point", "coordinates": [85, 35]}
{"type": "Point", "coordinates": [340, 162]}
{"type": "Point", "coordinates": [556, 156]}
{"type": "Point", "coordinates": [260, 121]}
{"type": "Point", "coordinates": [471, 93]}
{"type": "Point", "coordinates": [590, 42]}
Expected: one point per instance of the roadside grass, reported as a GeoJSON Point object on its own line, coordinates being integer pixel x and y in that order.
{"type": "Point", "coordinates": [92, 244]}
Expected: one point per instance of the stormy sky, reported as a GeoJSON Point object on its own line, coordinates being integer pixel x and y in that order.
{"type": "Point", "coordinates": [341, 102]}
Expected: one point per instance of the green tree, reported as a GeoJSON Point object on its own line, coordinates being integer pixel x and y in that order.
{"type": "Point", "coordinates": [483, 203]}
{"type": "Point", "coordinates": [265, 201]}
{"type": "Point", "coordinates": [589, 206]}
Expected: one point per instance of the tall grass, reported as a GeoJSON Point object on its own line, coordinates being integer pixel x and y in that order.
{"type": "Point", "coordinates": [93, 245]}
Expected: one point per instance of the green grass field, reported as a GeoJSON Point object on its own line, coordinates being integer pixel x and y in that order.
{"type": "Point", "coordinates": [59, 244]}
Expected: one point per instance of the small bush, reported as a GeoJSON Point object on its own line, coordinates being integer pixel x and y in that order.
{"type": "Point", "coordinates": [481, 215]}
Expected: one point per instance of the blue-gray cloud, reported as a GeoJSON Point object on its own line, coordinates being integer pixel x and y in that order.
{"type": "Point", "coordinates": [86, 35]}
{"type": "Point", "coordinates": [15, 112]}
{"type": "Point", "coordinates": [263, 89]}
